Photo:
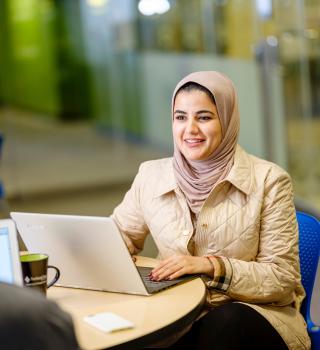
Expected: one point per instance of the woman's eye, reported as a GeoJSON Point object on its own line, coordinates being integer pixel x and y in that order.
{"type": "Point", "coordinates": [204, 117]}
{"type": "Point", "coordinates": [180, 117]}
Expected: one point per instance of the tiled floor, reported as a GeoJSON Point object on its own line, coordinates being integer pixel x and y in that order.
{"type": "Point", "coordinates": [45, 156]}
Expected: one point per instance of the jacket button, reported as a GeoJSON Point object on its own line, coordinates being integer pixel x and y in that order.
{"type": "Point", "coordinates": [205, 226]}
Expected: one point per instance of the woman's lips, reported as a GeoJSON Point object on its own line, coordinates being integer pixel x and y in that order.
{"type": "Point", "coordinates": [193, 142]}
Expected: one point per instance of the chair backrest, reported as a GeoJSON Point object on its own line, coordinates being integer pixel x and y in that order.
{"type": "Point", "coordinates": [309, 247]}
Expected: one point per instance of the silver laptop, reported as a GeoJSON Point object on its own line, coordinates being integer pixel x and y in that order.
{"type": "Point", "coordinates": [89, 251]}
{"type": "Point", "coordinates": [10, 266]}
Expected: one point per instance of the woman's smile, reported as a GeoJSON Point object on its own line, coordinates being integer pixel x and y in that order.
{"type": "Point", "coordinates": [193, 142]}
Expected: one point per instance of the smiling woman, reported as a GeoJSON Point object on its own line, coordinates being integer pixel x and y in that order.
{"type": "Point", "coordinates": [215, 210]}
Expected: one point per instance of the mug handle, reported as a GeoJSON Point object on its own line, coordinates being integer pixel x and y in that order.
{"type": "Point", "coordinates": [55, 278]}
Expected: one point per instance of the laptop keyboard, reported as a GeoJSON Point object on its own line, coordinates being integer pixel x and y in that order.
{"type": "Point", "coordinates": [154, 286]}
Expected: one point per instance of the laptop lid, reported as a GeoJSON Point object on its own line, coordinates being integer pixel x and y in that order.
{"type": "Point", "coordinates": [10, 266]}
{"type": "Point", "coordinates": [89, 251]}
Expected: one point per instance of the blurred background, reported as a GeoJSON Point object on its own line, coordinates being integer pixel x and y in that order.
{"type": "Point", "coordinates": [85, 92]}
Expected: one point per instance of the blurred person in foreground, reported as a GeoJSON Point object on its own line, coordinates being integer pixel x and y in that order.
{"type": "Point", "coordinates": [215, 210]}
{"type": "Point", "coordinates": [31, 322]}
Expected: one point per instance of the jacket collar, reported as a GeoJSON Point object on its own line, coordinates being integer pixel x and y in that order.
{"type": "Point", "coordinates": [168, 181]}
{"type": "Point", "coordinates": [240, 175]}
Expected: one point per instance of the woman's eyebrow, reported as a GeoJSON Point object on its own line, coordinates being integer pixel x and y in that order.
{"type": "Point", "coordinates": [198, 112]}
{"type": "Point", "coordinates": [205, 111]}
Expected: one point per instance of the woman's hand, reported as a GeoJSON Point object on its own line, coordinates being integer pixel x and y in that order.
{"type": "Point", "coordinates": [179, 265]}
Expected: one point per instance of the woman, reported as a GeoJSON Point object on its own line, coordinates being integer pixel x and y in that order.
{"type": "Point", "coordinates": [215, 210]}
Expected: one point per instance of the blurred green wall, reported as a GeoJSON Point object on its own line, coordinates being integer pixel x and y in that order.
{"type": "Point", "coordinates": [41, 61]}
{"type": "Point", "coordinates": [29, 72]}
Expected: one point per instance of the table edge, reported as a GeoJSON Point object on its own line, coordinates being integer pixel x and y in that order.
{"type": "Point", "coordinates": [166, 331]}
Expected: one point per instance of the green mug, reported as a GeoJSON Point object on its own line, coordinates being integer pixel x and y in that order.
{"type": "Point", "coordinates": [34, 272]}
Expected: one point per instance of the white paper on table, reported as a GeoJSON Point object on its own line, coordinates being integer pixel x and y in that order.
{"type": "Point", "coordinates": [108, 322]}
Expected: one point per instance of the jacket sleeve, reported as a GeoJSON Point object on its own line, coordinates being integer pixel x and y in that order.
{"type": "Point", "coordinates": [275, 274]}
{"type": "Point", "coordinates": [129, 218]}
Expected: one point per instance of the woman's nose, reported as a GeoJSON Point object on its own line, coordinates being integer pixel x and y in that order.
{"type": "Point", "coordinates": [192, 127]}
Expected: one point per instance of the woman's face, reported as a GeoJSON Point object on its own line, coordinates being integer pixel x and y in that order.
{"type": "Point", "coordinates": [196, 125]}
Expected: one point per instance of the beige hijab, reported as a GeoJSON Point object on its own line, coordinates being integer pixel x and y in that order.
{"type": "Point", "coordinates": [196, 179]}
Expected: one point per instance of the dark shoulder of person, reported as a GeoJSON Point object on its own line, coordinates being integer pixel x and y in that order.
{"type": "Point", "coordinates": [30, 321]}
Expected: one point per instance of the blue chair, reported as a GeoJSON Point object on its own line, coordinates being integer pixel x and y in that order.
{"type": "Point", "coordinates": [309, 246]}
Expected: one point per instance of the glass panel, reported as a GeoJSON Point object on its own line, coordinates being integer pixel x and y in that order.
{"type": "Point", "coordinates": [297, 23]}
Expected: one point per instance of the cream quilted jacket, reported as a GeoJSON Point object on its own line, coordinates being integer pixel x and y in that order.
{"type": "Point", "coordinates": [248, 222]}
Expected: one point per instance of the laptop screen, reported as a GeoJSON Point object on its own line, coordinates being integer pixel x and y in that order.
{"type": "Point", "coordinates": [10, 270]}
{"type": "Point", "coordinates": [6, 268]}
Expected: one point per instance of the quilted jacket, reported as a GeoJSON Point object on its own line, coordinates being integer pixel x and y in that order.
{"type": "Point", "coordinates": [248, 223]}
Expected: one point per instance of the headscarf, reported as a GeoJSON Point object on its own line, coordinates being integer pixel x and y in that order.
{"type": "Point", "coordinates": [197, 178]}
